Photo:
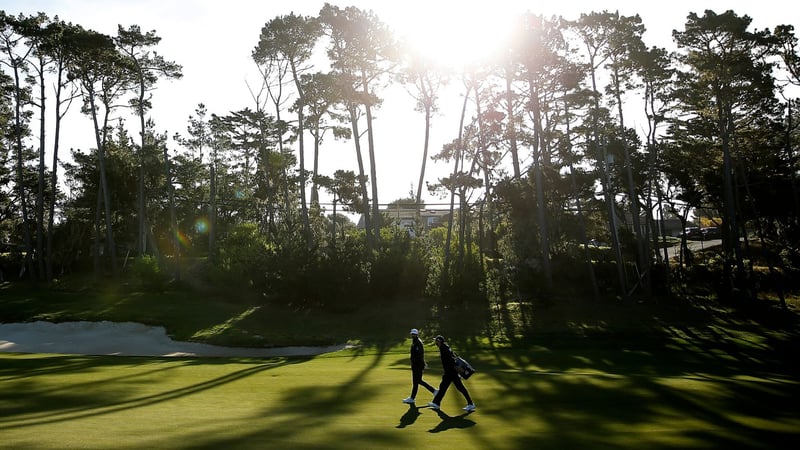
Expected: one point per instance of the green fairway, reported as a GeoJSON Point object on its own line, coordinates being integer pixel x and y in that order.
{"type": "Point", "coordinates": [668, 374]}
{"type": "Point", "coordinates": [535, 398]}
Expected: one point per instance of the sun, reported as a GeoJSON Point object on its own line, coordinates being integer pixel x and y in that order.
{"type": "Point", "coordinates": [456, 36]}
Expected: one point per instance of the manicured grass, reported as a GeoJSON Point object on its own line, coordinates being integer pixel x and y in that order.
{"type": "Point", "coordinates": [561, 373]}
{"type": "Point", "coordinates": [616, 397]}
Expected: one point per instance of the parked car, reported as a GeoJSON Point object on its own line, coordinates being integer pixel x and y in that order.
{"type": "Point", "coordinates": [708, 233]}
{"type": "Point", "coordinates": [692, 233]}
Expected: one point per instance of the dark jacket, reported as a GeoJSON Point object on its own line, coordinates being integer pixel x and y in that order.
{"type": "Point", "coordinates": [448, 359]}
{"type": "Point", "coordinates": [417, 353]}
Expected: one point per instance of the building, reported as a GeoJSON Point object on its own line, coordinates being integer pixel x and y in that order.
{"type": "Point", "coordinates": [406, 217]}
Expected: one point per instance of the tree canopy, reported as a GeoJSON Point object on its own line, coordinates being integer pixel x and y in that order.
{"type": "Point", "coordinates": [545, 157]}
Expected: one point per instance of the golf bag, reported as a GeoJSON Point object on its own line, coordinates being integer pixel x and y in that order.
{"type": "Point", "coordinates": [464, 369]}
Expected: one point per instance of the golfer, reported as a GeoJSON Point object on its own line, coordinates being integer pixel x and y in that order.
{"type": "Point", "coordinates": [417, 367]}
{"type": "Point", "coordinates": [450, 375]}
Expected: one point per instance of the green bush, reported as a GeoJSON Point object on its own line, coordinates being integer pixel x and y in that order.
{"type": "Point", "coordinates": [462, 281]}
{"type": "Point", "coordinates": [149, 274]}
{"type": "Point", "coordinates": [242, 256]}
{"type": "Point", "coordinates": [330, 278]}
{"type": "Point", "coordinates": [401, 265]}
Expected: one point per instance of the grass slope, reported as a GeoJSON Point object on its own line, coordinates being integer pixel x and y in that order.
{"type": "Point", "coordinates": [532, 398]}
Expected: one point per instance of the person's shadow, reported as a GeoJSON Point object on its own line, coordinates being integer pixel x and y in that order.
{"type": "Point", "coordinates": [449, 422]}
{"type": "Point", "coordinates": [410, 416]}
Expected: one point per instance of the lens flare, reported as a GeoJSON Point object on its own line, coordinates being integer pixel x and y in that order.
{"type": "Point", "coordinates": [183, 240]}
{"type": "Point", "coordinates": [201, 226]}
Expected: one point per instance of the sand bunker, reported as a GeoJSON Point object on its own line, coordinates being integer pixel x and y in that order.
{"type": "Point", "coordinates": [127, 338]}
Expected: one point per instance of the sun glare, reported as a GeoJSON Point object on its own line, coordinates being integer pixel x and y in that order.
{"type": "Point", "coordinates": [456, 37]}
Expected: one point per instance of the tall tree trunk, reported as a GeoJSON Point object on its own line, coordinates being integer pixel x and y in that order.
{"type": "Point", "coordinates": [790, 157]}
{"type": "Point", "coordinates": [653, 182]}
{"type": "Point", "coordinates": [373, 165]}
{"type": "Point", "coordinates": [464, 241]}
{"type": "Point", "coordinates": [54, 175]}
{"type": "Point", "coordinates": [641, 252]}
{"type": "Point", "coordinates": [730, 242]}
{"type": "Point", "coordinates": [40, 255]}
{"type": "Point", "coordinates": [26, 231]}
{"type": "Point", "coordinates": [266, 153]}
{"type": "Point", "coordinates": [605, 182]}
{"type": "Point", "coordinates": [662, 223]}
{"type": "Point", "coordinates": [462, 222]}
{"type": "Point", "coordinates": [142, 236]}
{"type": "Point", "coordinates": [101, 142]}
{"type": "Point", "coordinates": [424, 153]}
{"type": "Point", "coordinates": [486, 179]}
{"type": "Point", "coordinates": [538, 149]}
{"type": "Point", "coordinates": [333, 222]}
{"type": "Point", "coordinates": [511, 128]}
{"type": "Point", "coordinates": [270, 189]}
{"type": "Point", "coordinates": [667, 265]}
{"type": "Point", "coordinates": [302, 161]}
{"type": "Point", "coordinates": [173, 221]}
{"type": "Point", "coordinates": [581, 220]}
{"type": "Point", "coordinates": [315, 173]}
{"type": "Point", "coordinates": [98, 235]}
{"type": "Point", "coordinates": [612, 220]}
{"type": "Point", "coordinates": [481, 233]}
{"type": "Point", "coordinates": [212, 209]}
{"type": "Point", "coordinates": [361, 176]}
{"type": "Point", "coordinates": [456, 158]}
{"type": "Point", "coordinates": [301, 154]}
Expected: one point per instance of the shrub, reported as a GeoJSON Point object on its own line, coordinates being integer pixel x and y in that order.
{"type": "Point", "coordinates": [147, 271]}
{"type": "Point", "coordinates": [242, 257]}
{"type": "Point", "coordinates": [331, 278]}
{"type": "Point", "coordinates": [401, 266]}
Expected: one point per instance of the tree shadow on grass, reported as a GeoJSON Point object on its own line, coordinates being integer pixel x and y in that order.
{"type": "Point", "coordinates": [713, 380]}
{"type": "Point", "coordinates": [14, 367]}
{"type": "Point", "coordinates": [634, 411]}
{"type": "Point", "coordinates": [337, 398]}
{"type": "Point", "coordinates": [41, 406]}
{"type": "Point", "coordinates": [315, 406]}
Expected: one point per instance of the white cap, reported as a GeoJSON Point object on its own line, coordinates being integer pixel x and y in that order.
{"type": "Point", "coordinates": [414, 331]}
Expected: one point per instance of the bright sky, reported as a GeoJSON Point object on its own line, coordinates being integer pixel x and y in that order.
{"type": "Point", "coordinates": [213, 41]}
